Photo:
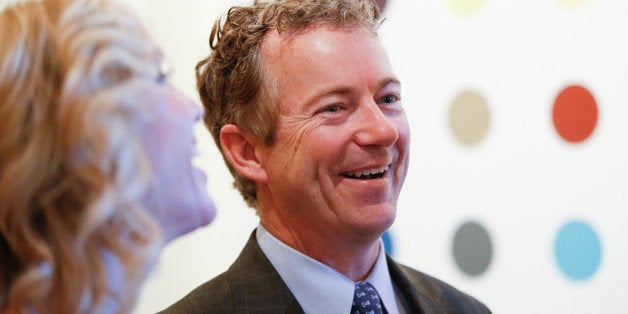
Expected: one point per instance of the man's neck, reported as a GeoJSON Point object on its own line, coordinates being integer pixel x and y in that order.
{"type": "Point", "coordinates": [351, 255]}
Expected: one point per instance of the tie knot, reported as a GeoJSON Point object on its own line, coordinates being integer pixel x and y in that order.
{"type": "Point", "coordinates": [366, 299]}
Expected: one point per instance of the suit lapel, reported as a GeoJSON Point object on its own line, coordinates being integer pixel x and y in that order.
{"type": "Point", "coordinates": [420, 294]}
{"type": "Point", "coordinates": [256, 285]}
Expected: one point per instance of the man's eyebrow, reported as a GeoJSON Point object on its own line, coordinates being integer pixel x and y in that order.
{"type": "Point", "coordinates": [342, 90]}
{"type": "Point", "coordinates": [387, 81]}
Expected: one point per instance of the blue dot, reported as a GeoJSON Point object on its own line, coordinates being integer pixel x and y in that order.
{"type": "Point", "coordinates": [578, 250]}
{"type": "Point", "coordinates": [388, 245]}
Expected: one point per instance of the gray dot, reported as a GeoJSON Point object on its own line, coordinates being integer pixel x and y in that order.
{"type": "Point", "coordinates": [472, 249]}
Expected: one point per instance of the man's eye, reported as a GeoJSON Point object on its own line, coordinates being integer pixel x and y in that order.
{"type": "Point", "coordinates": [389, 99]}
{"type": "Point", "coordinates": [332, 108]}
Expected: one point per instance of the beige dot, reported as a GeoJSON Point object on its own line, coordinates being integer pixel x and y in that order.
{"type": "Point", "coordinates": [469, 117]}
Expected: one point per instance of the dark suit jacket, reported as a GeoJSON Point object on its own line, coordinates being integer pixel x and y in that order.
{"type": "Point", "coordinates": [252, 285]}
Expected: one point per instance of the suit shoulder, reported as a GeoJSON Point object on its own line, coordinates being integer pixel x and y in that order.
{"type": "Point", "coordinates": [439, 294]}
{"type": "Point", "coordinates": [213, 296]}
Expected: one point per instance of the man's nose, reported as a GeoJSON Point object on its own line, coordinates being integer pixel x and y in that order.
{"type": "Point", "coordinates": [374, 127]}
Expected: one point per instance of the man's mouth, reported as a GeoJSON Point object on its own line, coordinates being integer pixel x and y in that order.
{"type": "Point", "coordinates": [367, 174]}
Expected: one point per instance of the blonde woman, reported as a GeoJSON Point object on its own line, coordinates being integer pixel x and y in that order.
{"type": "Point", "coordinates": [95, 158]}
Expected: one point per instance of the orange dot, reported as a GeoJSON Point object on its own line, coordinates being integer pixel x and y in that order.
{"type": "Point", "coordinates": [575, 113]}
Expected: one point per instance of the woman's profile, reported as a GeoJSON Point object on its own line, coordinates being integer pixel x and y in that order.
{"type": "Point", "coordinates": [95, 158]}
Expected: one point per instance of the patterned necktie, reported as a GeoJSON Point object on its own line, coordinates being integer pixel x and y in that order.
{"type": "Point", "coordinates": [366, 300]}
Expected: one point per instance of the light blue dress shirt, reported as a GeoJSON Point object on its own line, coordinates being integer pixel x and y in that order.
{"type": "Point", "coordinates": [319, 288]}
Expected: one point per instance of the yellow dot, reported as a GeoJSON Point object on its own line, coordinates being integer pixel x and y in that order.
{"type": "Point", "coordinates": [571, 3]}
{"type": "Point", "coordinates": [467, 7]}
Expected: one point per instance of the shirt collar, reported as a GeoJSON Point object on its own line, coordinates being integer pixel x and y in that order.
{"type": "Point", "coordinates": [317, 287]}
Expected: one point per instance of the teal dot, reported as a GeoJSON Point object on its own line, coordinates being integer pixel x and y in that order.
{"type": "Point", "coordinates": [578, 250]}
{"type": "Point", "coordinates": [388, 245]}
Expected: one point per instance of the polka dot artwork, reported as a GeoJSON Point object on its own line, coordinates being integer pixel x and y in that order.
{"type": "Point", "coordinates": [538, 92]}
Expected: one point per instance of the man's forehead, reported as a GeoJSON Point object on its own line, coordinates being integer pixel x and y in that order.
{"type": "Point", "coordinates": [275, 43]}
{"type": "Point", "coordinates": [326, 61]}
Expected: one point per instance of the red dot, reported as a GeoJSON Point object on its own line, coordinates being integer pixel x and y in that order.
{"type": "Point", "coordinates": [575, 113]}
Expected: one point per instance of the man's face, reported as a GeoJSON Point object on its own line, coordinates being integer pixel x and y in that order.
{"type": "Point", "coordinates": [341, 150]}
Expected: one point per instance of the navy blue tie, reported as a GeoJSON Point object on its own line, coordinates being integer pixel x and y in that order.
{"type": "Point", "coordinates": [366, 300]}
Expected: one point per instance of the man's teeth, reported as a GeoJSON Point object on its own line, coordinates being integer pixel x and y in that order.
{"type": "Point", "coordinates": [368, 172]}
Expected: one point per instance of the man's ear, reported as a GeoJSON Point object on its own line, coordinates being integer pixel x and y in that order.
{"type": "Point", "coordinates": [241, 149]}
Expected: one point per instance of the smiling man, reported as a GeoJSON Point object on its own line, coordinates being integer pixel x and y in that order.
{"type": "Point", "coordinates": [302, 101]}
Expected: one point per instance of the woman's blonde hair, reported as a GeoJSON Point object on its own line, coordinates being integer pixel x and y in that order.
{"type": "Point", "coordinates": [72, 168]}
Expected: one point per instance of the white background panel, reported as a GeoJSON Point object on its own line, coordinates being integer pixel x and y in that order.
{"type": "Point", "coordinates": [522, 183]}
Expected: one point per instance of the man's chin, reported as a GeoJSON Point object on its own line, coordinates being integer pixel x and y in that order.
{"type": "Point", "coordinates": [375, 228]}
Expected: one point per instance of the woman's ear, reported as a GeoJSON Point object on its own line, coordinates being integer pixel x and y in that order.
{"type": "Point", "coordinates": [241, 150]}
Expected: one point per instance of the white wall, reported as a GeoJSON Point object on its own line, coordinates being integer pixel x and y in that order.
{"type": "Point", "coordinates": [522, 182]}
